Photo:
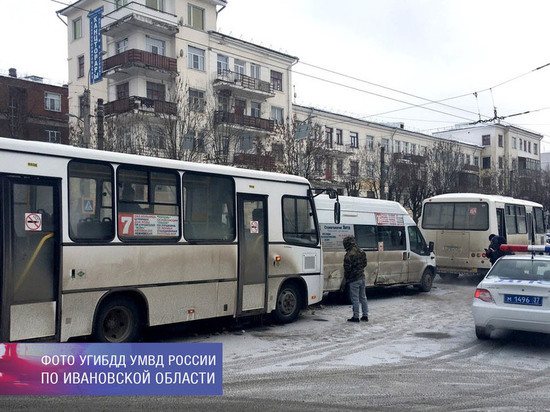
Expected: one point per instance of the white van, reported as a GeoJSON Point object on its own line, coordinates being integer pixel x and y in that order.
{"type": "Point", "coordinates": [397, 253]}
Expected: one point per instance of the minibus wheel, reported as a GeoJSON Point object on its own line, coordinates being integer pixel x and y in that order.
{"type": "Point", "coordinates": [426, 281]}
{"type": "Point", "coordinates": [118, 321]}
{"type": "Point", "coordinates": [289, 303]}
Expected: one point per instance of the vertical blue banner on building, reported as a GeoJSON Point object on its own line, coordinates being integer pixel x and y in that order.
{"type": "Point", "coordinates": [96, 46]}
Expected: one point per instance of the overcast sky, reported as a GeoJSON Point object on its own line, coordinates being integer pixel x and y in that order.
{"type": "Point", "coordinates": [417, 50]}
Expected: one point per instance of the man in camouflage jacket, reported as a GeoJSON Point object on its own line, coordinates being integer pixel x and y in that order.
{"type": "Point", "coordinates": [355, 262]}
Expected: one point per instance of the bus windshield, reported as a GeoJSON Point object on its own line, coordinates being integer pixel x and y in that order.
{"type": "Point", "coordinates": [456, 216]}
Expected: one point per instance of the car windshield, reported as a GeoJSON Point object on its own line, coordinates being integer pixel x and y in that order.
{"type": "Point", "coordinates": [521, 269]}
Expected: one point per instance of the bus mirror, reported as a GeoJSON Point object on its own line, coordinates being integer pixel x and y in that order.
{"type": "Point", "coordinates": [430, 247]}
{"type": "Point", "coordinates": [332, 194]}
{"type": "Point", "coordinates": [337, 212]}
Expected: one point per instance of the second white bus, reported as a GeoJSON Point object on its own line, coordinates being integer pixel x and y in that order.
{"type": "Point", "coordinates": [459, 224]}
{"type": "Point", "coordinates": [397, 253]}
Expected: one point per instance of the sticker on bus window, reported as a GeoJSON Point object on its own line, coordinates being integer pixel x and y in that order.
{"type": "Point", "coordinates": [88, 206]}
{"type": "Point", "coordinates": [33, 222]}
{"type": "Point", "coordinates": [147, 225]}
{"type": "Point", "coordinates": [254, 226]}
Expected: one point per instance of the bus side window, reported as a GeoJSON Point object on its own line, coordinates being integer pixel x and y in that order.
{"type": "Point", "coordinates": [90, 204]}
{"type": "Point", "coordinates": [366, 236]}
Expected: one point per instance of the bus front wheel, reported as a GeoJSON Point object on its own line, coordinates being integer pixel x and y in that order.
{"type": "Point", "coordinates": [118, 320]}
{"type": "Point", "coordinates": [427, 281]}
{"type": "Point", "coordinates": [289, 304]}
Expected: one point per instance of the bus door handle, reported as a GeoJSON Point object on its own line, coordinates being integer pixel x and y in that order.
{"type": "Point", "coordinates": [405, 255]}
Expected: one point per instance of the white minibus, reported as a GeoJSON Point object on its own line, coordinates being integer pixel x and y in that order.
{"type": "Point", "coordinates": [397, 253]}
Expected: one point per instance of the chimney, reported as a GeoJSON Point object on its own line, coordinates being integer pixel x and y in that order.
{"type": "Point", "coordinates": [13, 72]}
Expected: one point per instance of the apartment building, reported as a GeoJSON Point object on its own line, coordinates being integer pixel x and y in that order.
{"type": "Point", "coordinates": [33, 109]}
{"type": "Point", "coordinates": [510, 157]}
{"type": "Point", "coordinates": [366, 155]}
{"type": "Point", "coordinates": [171, 84]}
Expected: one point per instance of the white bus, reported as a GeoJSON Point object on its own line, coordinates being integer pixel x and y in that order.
{"type": "Point", "coordinates": [103, 244]}
{"type": "Point", "coordinates": [459, 224]}
{"type": "Point", "coordinates": [397, 253]}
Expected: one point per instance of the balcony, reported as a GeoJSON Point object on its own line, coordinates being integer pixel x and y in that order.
{"type": "Point", "coordinates": [134, 16]}
{"type": "Point", "coordinates": [255, 161]}
{"type": "Point", "coordinates": [243, 85]}
{"type": "Point", "coordinates": [132, 62]}
{"type": "Point", "coordinates": [221, 117]}
{"type": "Point", "coordinates": [141, 104]}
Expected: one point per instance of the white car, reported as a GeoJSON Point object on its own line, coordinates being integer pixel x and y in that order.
{"type": "Point", "coordinates": [514, 295]}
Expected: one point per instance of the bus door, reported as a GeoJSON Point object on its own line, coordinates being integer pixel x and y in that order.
{"type": "Point", "coordinates": [29, 257]}
{"type": "Point", "coordinates": [253, 243]}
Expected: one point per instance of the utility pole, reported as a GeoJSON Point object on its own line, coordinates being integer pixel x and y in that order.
{"type": "Point", "coordinates": [99, 118]}
{"type": "Point", "coordinates": [86, 115]}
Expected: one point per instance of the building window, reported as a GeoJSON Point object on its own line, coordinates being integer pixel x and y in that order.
{"type": "Point", "coordinates": [385, 145]}
{"type": "Point", "coordinates": [120, 3]}
{"type": "Point", "coordinates": [486, 162]}
{"type": "Point", "coordinates": [195, 17]}
{"type": "Point", "coordinates": [122, 46]}
{"type": "Point", "coordinates": [277, 151]}
{"type": "Point", "coordinates": [53, 136]}
{"type": "Point", "coordinates": [500, 162]}
{"type": "Point", "coordinates": [370, 170]}
{"type": "Point", "coordinates": [413, 148]}
{"type": "Point", "coordinates": [529, 147]}
{"type": "Point", "coordinates": [155, 137]}
{"type": "Point", "coordinates": [328, 133]}
{"type": "Point", "coordinates": [486, 140]}
{"type": "Point", "coordinates": [514, 142]}
{"type": "Point", "coordinates": [354, 139]}
{"type": "Point", "coordinates": [254, 71]}
{"type": "Point", "coordinates": [155, 46]}
{"type": "Point", "coordinates": [255, 109]}
{"type": "Point", "coordinates": [156, 91]}
{"type": "Point", "coordinates": [397, 146]}
{"type": "Point", "coordinates": [520, 144]}
{"type": "Point", "coordinates": [196, 58]}
{"type": "Point", "coordinates": [476, 161]}
{"type": "Point", "coordinates": [277, 80]}
{"type": "Point", "coordinates": [370, 143]}
{"type": "Point", "coordinates": [239, 66]}
{"type": "Point", "coordinates": [80, 66]}
{"type": "Point", "coordinates": [196, 100]}
{"type": "Point", "coordinates": [155, 4]}
{"type": "Point", "coordinates": [339, 138]}
{"type": "Point", "coordinates": [223, 103]}
{"type": "Point", "coordinates": [354, 168]}
{"type": "Point", "coordinates": [222, 64]}
{"type": "Point", "coordinates": [52, 102]}
{"type": "Point", "coordinates": [122, 91]}
{"type": "Point", "coordinates": [406, 147]}
{"type": "Point", "coordinates": [277, 114]}
{"type": "Point", "coordinates": [77, 28]}
{"type": "Point", "coordinates": [535, 148]}
{"type": "Point", "coordinates": [500, 140]}
{"type": "Point", "coordinates": [339, 167]}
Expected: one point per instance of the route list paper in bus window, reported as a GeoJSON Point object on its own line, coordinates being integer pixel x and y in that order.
{"type": "Point", "coordinates": [332, 235]}
{"type": "Point", "coordinates": [389, 219]}
{"type": "Point", "coordinates": [148, 225]}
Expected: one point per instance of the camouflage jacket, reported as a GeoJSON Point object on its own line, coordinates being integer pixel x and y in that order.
{"type": "Point", "coordinates": [355, 261]}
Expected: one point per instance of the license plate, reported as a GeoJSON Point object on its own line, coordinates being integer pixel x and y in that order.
{"type": "Point", "coordinates": [523, 300]}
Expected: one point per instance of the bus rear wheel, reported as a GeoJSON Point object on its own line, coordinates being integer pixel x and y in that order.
{"type": "Point", "coordinates": [118, 320]}
{"type": "Point", "coordinates": [289, 304]}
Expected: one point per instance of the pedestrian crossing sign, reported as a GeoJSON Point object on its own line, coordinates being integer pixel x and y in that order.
{"type": "Point", "coordinates": [88, 206]}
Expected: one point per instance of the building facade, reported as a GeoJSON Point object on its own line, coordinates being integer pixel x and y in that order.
{"type": "Point", "coordinates": [171, 85]}
{"type": "Point", "coordinates": [32, 109]}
